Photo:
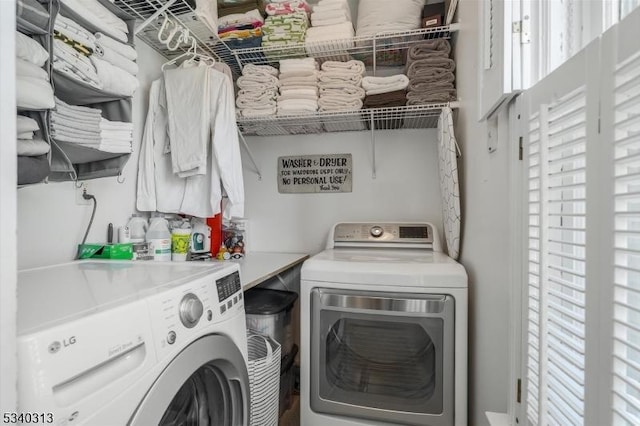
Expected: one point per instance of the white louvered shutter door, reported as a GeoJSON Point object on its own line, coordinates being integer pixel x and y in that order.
{"type": "Point", "coordinates": [626, 189]}
{"type": "Point", "coordinates": [556, 147]}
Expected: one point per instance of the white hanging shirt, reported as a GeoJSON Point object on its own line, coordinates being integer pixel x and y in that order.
{"type": "Point", "coordinates": [160, 189]}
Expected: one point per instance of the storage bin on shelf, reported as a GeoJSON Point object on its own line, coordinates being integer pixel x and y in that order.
{"type": "Point", "coordinates": [269, 312]}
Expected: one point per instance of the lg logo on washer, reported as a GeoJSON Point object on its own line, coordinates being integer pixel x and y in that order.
{"type": "Point", "coordinates": [56, 346]}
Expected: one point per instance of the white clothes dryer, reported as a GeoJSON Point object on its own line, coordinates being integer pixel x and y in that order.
{"type": "Point", "coordinates": [133, 343]}
{"type": "Point", "coordinates": [384, 329]}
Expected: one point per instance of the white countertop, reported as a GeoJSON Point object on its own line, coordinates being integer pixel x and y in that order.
{"type": "Point", "coordinates": [257, 267]}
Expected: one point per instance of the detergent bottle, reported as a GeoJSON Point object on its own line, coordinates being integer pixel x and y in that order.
{"type": "Point", "coordinates": [159, 238]}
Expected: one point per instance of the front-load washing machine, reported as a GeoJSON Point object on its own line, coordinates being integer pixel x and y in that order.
{"type": "Point", "coordinates": [384, 326]}
{"type": "Point", "coordinates": [133, 343]}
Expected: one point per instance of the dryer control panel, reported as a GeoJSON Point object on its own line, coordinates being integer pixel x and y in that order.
{"type": "Point", "coordinates": [396, 234]}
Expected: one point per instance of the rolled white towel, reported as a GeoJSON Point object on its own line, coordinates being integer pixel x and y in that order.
{"type": "Point", "coordinates": [377, 85]}
{"type": "Point", "coordinates": [125, 50]}
{"type": "Point", "coordinates": [352, 66]}
{"type": "Point", "coordinates": [25, 135]}
{"type": "Point", "coordinates": [94, 12]}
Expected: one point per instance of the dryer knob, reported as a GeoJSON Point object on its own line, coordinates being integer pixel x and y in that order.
{"type": "Point", "coordinates": [376, 231]}
{"type": "Point", "coordinates": [191, 310]}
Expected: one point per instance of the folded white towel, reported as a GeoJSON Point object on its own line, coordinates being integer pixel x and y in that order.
{"type": "Point", "coordinates": [250, 69]}
{"type": "Point", "coordinates": [254, 80]}
{"type": "Point", "coordinates": [25, 135]}
{"type": "Point", "coordinates": [258, 112]}
{"type": "Point", "coordinates": [377, 85]}
{"type": "Point", "coordinates": [339, 77]}
{"type": "Point", "coordinates": [287, 96]}
{"type": "Point", "coordinates": [299, 90]}
{"type": "Point", "coordinates": [93, 12]}
{"type": "Point", "coordinates": [113, 79]}
{"type": "Point", "coordinates": [107, 125]}
{"type": "Point", "coordinates": [379, 16]}
{"type": "Point", "coordinates": [324, 22]}
{"type": "Point", "coordinates": [68, 54]}
{"type": "Point", "coordinates": [62, 107]}
{"type": "Point", "coordinates": [244, 103]}
{"type": "Point", "coordinates": [30, 50]}
{"type": "Point", "coordinates": [352, 66]}
{"type": "Point", "coordinates": [292, 65]}
{"type": "Point", "coordinates": [299, 81]}
{"type": "Point", "coordinates": [59, 122]}
{"type": "Point", "coordinates": [339, 31]}
{"type": "Point", "coordinates": [27, 69]}
{"type": "Point", "coordinates": [341, 89]}
{"type": "Point", "coordinates": [321, 15]}
{"type": "Point", "coordinates": [33, 94]}
{"type": "Point", "coordinates": [116, 59]}
{"type": "Point", "coordinates": [257, 94]}
{"type": "Point", "coordinates": [75, 31]}
{"type": "Point", "coordinates": [336, 103]}
{"type": "Point", "coordinates": [296, 106]}
{"type": "Point", "coordinates": [125, 50]}
{"type": "Point", "coordinates": [32, 148]}
{"type": "Point", "coordinates": [26, 124]}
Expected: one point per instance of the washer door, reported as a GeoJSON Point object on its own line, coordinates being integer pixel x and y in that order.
{"type": "Point", "coordinates": [206, 384]}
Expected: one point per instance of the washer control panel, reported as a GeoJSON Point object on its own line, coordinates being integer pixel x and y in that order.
{"type": "Point", "coordinates": [421, 234]}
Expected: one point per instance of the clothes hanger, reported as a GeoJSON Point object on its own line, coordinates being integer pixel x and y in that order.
{"type": "Point", "coordinates": [192, 54]}
{"type": "Point", "coordinates": [166, 24]}
{"type": "Point", "coordinates": [191, 51]}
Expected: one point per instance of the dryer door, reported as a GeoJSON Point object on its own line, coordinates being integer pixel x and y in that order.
{"type": "Point", "coordinates": [206, 384]}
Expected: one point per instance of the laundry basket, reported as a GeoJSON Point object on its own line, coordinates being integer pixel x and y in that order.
{"type": "Point", "coordinates": [264, 379]}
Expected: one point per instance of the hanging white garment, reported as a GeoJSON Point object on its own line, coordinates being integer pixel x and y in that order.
{"type": "Point", "coordinates": [199, 195]}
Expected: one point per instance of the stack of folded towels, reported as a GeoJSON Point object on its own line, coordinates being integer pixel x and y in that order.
{"type": "Point", "coordinates": [379, 16]}
{"type": "Point", "coordinates": [102, 60]}
{"type": "Point", "coordinates": [33, 89]}
{"type": "Point", "coordinates": [340, 86]}
{"type": "Point", "coordinates": [33, 164]}
{"type": "Point", "coordinates": [430, 72]}
{"type": "Point", "coordinates": [298, 84]}
{"type": "Point", "coordinates": [384, 92]}
{"type": "Point", "coordinates": [331, 20]}
{"type": "Point", "coordinates": [258, 89]}
{"type": "Point", "coordinates": [85, 127]}
{"type": "Point", "coordinates": [241, 30]}
{"type": "Point", "coordinates": [284, 30]}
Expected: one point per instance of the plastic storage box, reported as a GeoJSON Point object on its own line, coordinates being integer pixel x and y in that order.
{"type": "Point", "coordinates": [269, 312]}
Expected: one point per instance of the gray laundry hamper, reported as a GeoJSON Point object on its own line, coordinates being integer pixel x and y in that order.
{"type": "Point", "coordinates": [264, 379]}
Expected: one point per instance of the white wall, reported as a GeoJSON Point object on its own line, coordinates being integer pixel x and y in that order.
{"type": "Point", "coordinates": [8, 182]}
{"type": "Point", "coordinates": [485, 242]}
{"type": "Point", "coordinates": [406, 187]}
{"type": "Point", "coordinates": [50, 222]}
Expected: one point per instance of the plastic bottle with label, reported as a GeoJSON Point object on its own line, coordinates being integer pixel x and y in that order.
{"type": "Point", "coordinates": [138, 227]}
{"type": "Point", "coordinates": [159, 238]}
{"type": "Point", "coordinates": [200, 236]}
{"type": "Point", "coordinates": [180, 241]}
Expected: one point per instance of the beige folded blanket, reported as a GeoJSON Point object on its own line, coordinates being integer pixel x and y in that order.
{"type": "Point", "coordinates": [339, 89]}
{"type": "Point", "coordinates": [339, 77]}
{"type": "Point", "coordinates": [251, 69]}
{"type": "Point", "coordinates": [435, 94]}
{"type": "Point", "coordinates": [332, 104]}
{"type": "Point", "coordinates": [352, 66]}
{"type": "Point", "coordinates": [378, 85]}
